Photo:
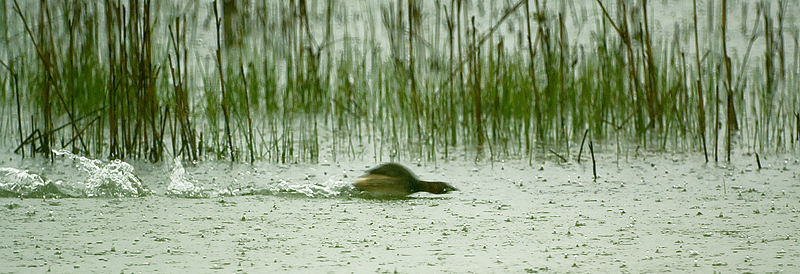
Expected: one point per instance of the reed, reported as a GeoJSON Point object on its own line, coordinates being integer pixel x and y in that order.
{"type": "Point", "coordinates": [701, 111]}
{"type": "Point", "coordinates": [443, 80]}
{"type": "Point", "coordinates": [181, 112]}
{"type": "Point", "coordinates": [230, 148]}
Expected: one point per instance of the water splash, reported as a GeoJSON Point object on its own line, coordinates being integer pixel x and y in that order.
{"type": "Point", "coordinates": [330, 188]}
{"type": "Point", "coordinates": [327, 189]}
{"type": "Point", "coordinates": [182, 186]}
{"type": "Point", "coordinates": [96, 178]}
{"type": "Point", "coordinates": [22, 183]}
{"type": "Point", "coordinates": [107, 179]}
{"type": "Point", "coordinates": [104, 179]}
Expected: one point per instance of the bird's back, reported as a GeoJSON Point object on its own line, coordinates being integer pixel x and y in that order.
{"type": "Point", "coordinates": [393, 170]}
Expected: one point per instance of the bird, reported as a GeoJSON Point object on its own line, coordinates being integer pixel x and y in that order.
{"type": "Point", "coordinates": [395, 180]}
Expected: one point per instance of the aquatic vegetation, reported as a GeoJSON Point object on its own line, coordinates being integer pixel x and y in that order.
{"type": "Point", "coordinates": [288, 82]}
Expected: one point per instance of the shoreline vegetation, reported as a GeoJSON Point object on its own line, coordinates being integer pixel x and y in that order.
{"type": "Point", "coordinates": [289, 82]}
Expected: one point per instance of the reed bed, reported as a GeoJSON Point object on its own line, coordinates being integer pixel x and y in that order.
{"type": "Point", "coordinates": [307, 81]}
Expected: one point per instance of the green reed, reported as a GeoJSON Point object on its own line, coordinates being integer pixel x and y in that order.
{"type": "Point", "coordinates": [287, 82]}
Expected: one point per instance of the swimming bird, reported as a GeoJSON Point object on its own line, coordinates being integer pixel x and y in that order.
{"type": "Point", "coordinates": [394, 180]}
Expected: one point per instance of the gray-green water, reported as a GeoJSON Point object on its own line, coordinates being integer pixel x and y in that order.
{"type": "Point", "coordinates": [647, 213]}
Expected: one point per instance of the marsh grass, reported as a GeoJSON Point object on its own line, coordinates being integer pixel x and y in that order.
{"type": "Point", "coordinates": [303, 83]}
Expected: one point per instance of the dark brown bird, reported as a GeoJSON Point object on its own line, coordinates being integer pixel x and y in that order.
{"type": "Point", "coordinates": [394, 180]}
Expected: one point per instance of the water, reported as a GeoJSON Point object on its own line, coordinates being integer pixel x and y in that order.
{"type": "Point", "coordinates": [645, 213]}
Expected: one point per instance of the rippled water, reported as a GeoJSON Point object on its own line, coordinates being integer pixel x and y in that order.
{"type": "Point", "coordinates": [646, 213]}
